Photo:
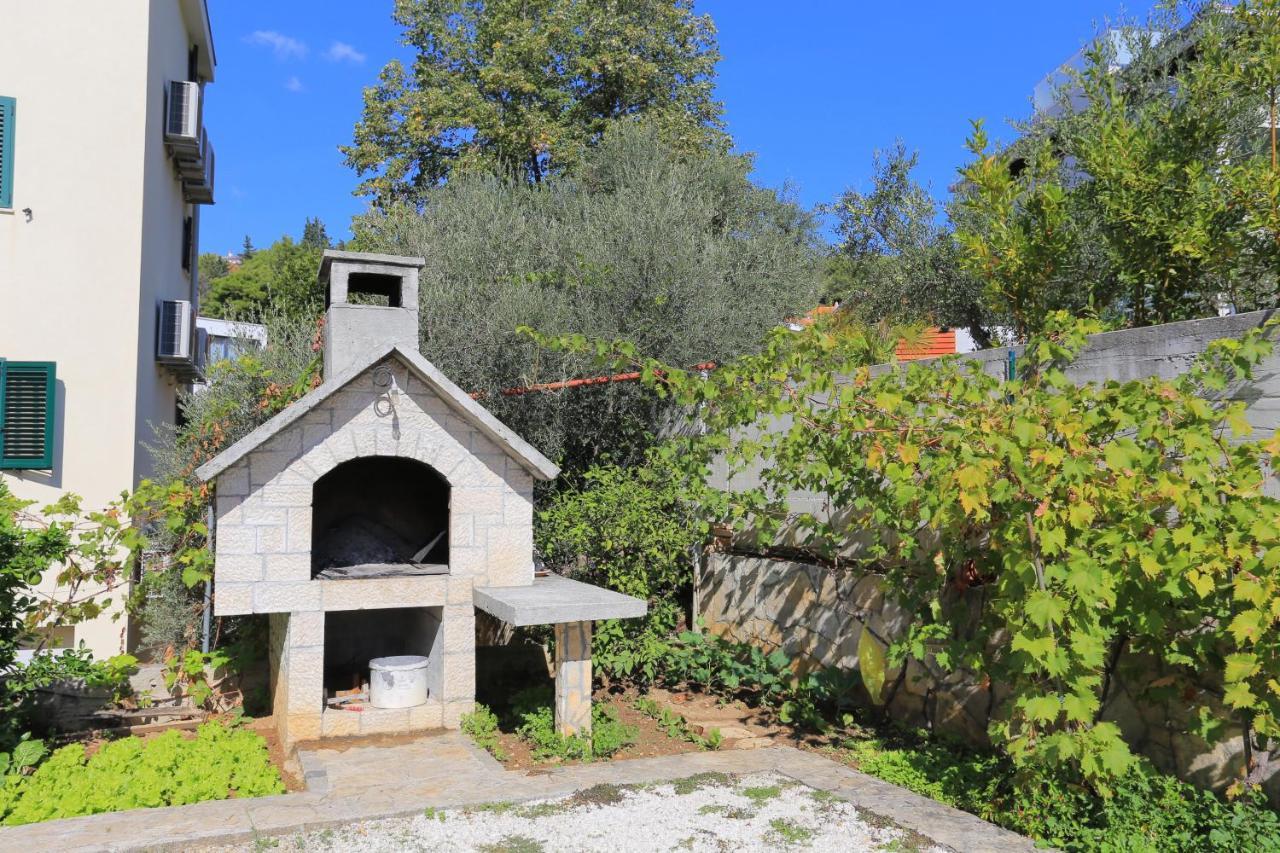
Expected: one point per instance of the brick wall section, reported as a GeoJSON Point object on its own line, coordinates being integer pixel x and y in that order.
{"type": "Point", "coordinates": [263, 537]}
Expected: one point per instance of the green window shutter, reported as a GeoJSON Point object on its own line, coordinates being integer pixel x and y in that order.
{"type": "Point", "coordinates": [27, 398]}
{"type": "Point", "coordinates": [7, 108]}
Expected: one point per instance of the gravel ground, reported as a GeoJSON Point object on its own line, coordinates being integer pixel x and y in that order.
{"type": "Point", "coordinates": [703, 813]}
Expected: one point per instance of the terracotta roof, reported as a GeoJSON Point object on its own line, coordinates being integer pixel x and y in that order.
{"type": "Point", "coordinates": [933, 343]}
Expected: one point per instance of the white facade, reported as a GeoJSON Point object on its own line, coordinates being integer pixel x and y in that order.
{"type": "Point", "coordinates": [96, 232]}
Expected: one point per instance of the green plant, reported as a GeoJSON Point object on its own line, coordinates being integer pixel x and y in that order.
{"type": "Point", "coordinates": [26, 754]}
{"type": "Point", "coordinates": [742, 670]}
{"type": "Point", "coordinates": [627, 530]}
{"type": "Point", "coordinates": [789, 831]}
{"type": "Point", "coordinates": [676, 726]}
{"type": "Point", "coordinates": [536, 724]}
{"type": "Point", "coordinates": [131, 773]}
{"type": "Point", "coordinates": [1147, 810]}
{"type": "Point", "coordinates": [190, 671]}
{"type": "Point", "coordinates": [1032, 530]}
{"type": "Point", "coordinates": [72, 665]}
{"type": "Point", "coordinates": [481, 725]}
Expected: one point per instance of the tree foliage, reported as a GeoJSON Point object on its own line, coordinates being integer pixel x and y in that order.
{"type": "Point", "coordinates": [682, 254]}
{"type": "Point", "coordinates": [526, 86]}
{"type": "Point", "coordinates": [280, 278]}
{"type": "Point", "coordinates": [1086, 520]}
{"type": "Point", "coordinates": [894, 260]}
{"type": "Point", "coordinates": [1154, 194]}
{"type": "Point", "coordinates": [626, 530]}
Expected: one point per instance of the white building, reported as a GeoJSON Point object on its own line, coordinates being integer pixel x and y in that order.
{"type": "Point", "coordinates": [103, 166]}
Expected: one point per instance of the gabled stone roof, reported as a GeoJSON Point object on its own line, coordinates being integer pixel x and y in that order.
{"type": "Point", "coordinates": [512, 444]}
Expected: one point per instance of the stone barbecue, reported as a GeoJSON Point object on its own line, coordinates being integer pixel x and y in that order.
{"type": "Point", "coordinates": [374, 515]}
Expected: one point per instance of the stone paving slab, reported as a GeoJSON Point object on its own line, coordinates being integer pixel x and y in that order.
{"type": "Point", "coordinates": [448, 771]}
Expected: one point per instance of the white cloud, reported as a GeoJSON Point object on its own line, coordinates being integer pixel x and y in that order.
{"type": "Point", "coordinates": [340, 51]}
{"type": "Point", "coordinates": [284, 47]}
{"type": "Point", "coordinates": [293, 84]}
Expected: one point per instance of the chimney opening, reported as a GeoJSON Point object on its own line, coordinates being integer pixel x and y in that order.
{"type": "Point", "coordinates": [371, 288]}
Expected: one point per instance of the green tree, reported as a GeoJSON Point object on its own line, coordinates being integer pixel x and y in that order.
{"type": "Point", "coordinates": [247, 250]}
{"type": "Point", "coordinates": [526, 85]}
{"type": "Point", "coordinates": [894, 259]}
{"type": "Point", "coordinates": [314, 235]}
{"type": "Point", "coordinates": [1155, 194]}
{"type": "Point", "coordinates": [280, 277]}
{"type": "Point", "coordinates": [210, 267]}
{"type": "Point", "coordinates": [685, 255]}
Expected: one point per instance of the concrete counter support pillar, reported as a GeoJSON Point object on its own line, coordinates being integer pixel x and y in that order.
{"type": "Point", "coordinates": [573, 678]}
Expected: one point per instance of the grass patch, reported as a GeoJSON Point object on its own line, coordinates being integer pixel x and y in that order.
{"type": "Point", "coordinates": [495, 808]}
{"type": "Point", "coordinates": [789, 831]}
{"type": "Point", "coordinates": [513, 844]}
{"type": "Point", "coordinates": [696, 782]}
{"type": "Point", "coordinates": [599, 795]}
{"type": "Point", "coordinates": [762, 793]}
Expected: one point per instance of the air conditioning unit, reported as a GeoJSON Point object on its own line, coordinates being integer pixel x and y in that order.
{"type": "Point", "coordinates": [182, 115]}
{"type": "Point", "coordinates": [174, 333]}
{"type": "Point", "coordinates": [197, 183]}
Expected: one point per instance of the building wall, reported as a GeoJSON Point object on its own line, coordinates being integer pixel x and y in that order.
{"type": "Point", "coordinates": [161, 275]}
{"type": "Point", "coordinates": [79, 278]}
{"type": "Point", "coordinates": [263, 543]}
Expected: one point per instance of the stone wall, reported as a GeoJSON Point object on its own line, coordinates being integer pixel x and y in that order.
{"type": "Point", "coordinates": [818, 616]}
{"type": "Point", "coordinates": [263, 540]}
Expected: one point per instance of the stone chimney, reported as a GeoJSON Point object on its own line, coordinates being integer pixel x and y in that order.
{"type": "Point", "coordinates": [371, 302]}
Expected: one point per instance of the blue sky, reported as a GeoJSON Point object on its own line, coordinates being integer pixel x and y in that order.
{"type": "Point", "coordinates": [813, 87]}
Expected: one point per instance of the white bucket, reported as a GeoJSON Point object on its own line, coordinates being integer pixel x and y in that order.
{"type": "Point", "coordinates": [398, 682]}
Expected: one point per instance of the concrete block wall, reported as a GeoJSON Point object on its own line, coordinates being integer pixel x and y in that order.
{"type": "Point", "coordinates": [263, 539]}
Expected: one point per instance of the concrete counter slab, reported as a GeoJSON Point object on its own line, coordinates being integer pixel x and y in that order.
{"type": "Point", "coordinates": [554, 600]}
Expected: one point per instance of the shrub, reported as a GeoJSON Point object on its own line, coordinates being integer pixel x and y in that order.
{"type": "Point", "coordinates": [481, 725]}
{"type": "Point", "coordinates": [744, 671]}
{"type": "Point", "coordinates": [628, 530]}
{"type": "Point", "coordinates": [131, 773]}
{"type": "Point", "coordinates": [536, 724]}
{"type": "Point", "coordinates": [70, 665]}
{"type": "Point", "coordinates": [1146, 811]}
{"type": "Point", "coordinates": [1092, 520]}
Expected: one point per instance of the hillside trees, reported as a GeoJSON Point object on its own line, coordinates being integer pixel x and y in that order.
{"type": "Point", "coordinates": [525, 87]}
{"type": "Point", "coordinates": [280, 278]}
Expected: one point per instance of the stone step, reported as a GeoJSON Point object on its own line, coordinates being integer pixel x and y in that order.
{"type": "Point", "coordinates": [753, 743]}
{"type": "Point", "coordinates": [727, 732]}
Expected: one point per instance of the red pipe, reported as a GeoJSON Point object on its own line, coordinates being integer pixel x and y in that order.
{"type": "Point", "coordinates": [578, 383]}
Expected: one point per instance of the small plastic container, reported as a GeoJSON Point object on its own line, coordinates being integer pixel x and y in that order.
{"type": "Point", "coordinates": [398, 682]}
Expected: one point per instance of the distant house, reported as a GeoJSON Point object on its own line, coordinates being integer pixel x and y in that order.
{"type": "Point", "coordinates": [933, 342]}
{"type": "Point", "coordinates": [219, 340]}
{"type": "Point", "coordinates": [104, 166]}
